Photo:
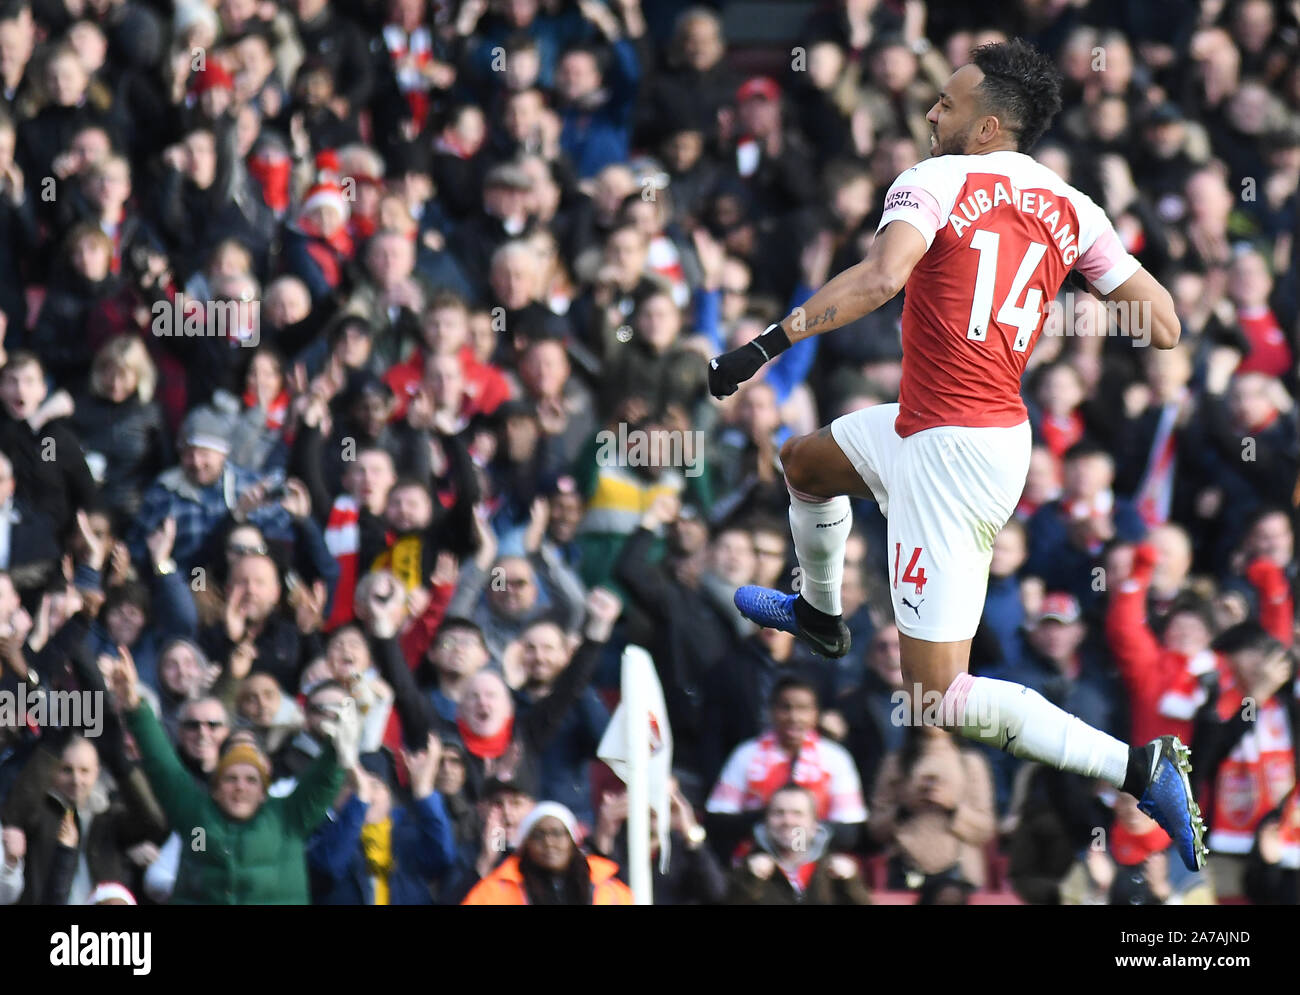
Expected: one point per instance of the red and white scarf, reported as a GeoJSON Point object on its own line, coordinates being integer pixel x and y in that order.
{"type": "Point", "coordinates": [666, 261]}
{"type": "Point", "coordinates": [343, 540]}
{"type": "Point", "coordinates": [1156, 494]}
{"type": "Point", "coordinates": [411, 81]}
{"type": "Point", "coordinates": [769, 771]}
{"type": "Point", "coordinates": [275, 411]}
{"type": "Point", "coordinates": [1256, 776]}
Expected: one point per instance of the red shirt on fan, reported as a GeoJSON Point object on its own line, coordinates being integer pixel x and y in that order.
{"type": "Point", "coordinates": [485, 386]}
{"type": "Point", "coordinates": [1003, 232]}
{"type": "Point", "coordinates": [1269, 351]}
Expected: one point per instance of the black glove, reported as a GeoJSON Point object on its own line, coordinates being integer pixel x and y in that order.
{"type": "Point", "coordinates": [730, 370]}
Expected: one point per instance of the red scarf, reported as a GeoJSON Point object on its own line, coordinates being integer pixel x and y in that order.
{"type": "Point", "coordinates": [487, 747]}
{"type": "Point", "coordinates": [340, 241]}
{"type": "Point", "coordinates": [275, 411]}
{"type": "Point", "coordinates": [362, 227]}
{"type": "Point", "coordinates": [343, 540]}
{"type": "Point", "coordinates": [271, 170]}
{"type": "Point", "coordinates": [1061, 433]}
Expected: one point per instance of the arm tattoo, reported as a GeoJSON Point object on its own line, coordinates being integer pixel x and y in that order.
{"type": "Point", "coordinates": [825, 317]}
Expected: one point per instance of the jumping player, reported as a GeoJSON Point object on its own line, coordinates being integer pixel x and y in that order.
{"type": "Point", "coordinates": [982, 236]}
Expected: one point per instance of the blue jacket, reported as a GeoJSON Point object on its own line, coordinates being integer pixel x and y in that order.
{"type": "Point", "coordinates": [597, 137]}
{"type": "Point", "coordinates": [1062, 566]}
{"type": "Point", "coordinates": [564, 762]}
{"type": "Point", "coordinates": [1004, 613]}
{"type": "Point", "coordinates": [423, 850]}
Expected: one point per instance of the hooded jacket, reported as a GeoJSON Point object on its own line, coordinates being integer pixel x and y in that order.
{"type": "Point", "coordinates": [816, 884]}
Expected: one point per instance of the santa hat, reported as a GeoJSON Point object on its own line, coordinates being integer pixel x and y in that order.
{"type": "Point", "coordinates": [323, 194]}
{"type": "Point", "coordinates": [327, 165]}
{"type": "Point", "coordinates": [108, 891]}
{"type": "Point", "coordinates": [211, 77]}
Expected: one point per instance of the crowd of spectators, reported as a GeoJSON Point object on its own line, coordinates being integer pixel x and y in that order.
{"type": "Point", "coordinates": [353, 417]}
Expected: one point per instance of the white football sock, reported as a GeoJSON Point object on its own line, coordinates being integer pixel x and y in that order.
{"type": "Point", "coordinates": [821, 532]}
{"type": "Point", "coordinates": [1022, 722]}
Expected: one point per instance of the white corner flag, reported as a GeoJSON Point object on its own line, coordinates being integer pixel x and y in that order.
{"type": "Point", "coordinates": [638, 746]}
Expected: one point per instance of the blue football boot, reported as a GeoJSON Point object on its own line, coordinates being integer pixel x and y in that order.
{"type": "Point", "coordinates": [1168, 800]}
{"type": "Point", "coordinates": [771, 609]}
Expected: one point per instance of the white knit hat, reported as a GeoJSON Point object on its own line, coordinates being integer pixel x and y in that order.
{"type": "Point", "coordinates": [556, 811]}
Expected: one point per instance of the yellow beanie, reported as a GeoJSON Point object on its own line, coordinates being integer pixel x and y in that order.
{"type": "Point", "coordinates": [243, 753]}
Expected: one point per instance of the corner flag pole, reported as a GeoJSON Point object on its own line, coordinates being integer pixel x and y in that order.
{"type": "Point", "coordinates": [636, 701]}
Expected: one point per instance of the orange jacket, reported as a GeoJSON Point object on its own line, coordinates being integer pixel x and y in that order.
{"type": "Point", "coordinates": [505, 885]}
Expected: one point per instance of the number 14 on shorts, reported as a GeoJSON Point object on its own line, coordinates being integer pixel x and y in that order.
{"type": "Point", "coordinates": [911, 573]}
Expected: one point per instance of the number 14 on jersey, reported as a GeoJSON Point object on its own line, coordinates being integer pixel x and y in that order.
{"type": "Point", "coordinates": [911, 574]}
{"type": "Point", "coordinates": [1024, 318]}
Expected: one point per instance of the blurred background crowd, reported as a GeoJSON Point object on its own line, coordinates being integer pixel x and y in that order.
{"type": "Point", "coordinates": [313, 313]}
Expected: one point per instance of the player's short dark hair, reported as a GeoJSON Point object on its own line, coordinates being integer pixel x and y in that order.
{"type": "Point", "coordinates": [1021, 85]}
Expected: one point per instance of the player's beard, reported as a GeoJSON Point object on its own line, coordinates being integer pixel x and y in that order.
{"type": "Point", "coordinates": [955, 144]}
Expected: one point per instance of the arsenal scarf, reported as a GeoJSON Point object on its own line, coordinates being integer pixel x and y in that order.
{"type": "Point", "coordinates": [770, 771]}
{"type": "Point", "coordinates": [410, 79]}
{"type": "Point", "coordinates": [343, 540]}
{"type": "Point", "coordinates": [1256, 776]}
{"type": "Point", "coordinates": [1157, 491]}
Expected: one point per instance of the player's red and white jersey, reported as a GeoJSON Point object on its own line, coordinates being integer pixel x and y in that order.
{"type": "Point", "coordinates": [1003, 232]}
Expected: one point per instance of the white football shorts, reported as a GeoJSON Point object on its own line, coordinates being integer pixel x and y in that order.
{"type": "Point", "coordinates": [945, 492]}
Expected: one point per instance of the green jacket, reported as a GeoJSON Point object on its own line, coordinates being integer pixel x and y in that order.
{"type": "Point", "coordinates": [223, 861]}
